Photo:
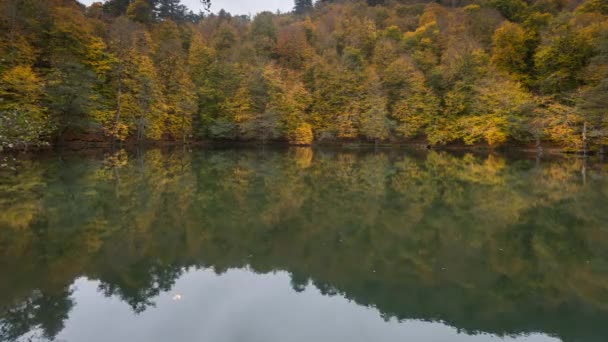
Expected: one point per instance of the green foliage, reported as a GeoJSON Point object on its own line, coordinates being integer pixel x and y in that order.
{"type": "Point", "coordinates": [590, 6]}
{"type": "Point", "coordinates": [414, 106]}
{"type": "Point", "coordinates": [510, 9]}
{"type": "Point", "coordinates": [264, 33]}
{"type": "Point", "coordinates": [140, 11]}
{"type": "Point", "coordinates": [302, 6]}
{"type": "Point", "coordinates": [500, 106]}
{"type": "Point", "coordinates": [559, 71]}
{"type": "Point", "coordinates": [510, 49]}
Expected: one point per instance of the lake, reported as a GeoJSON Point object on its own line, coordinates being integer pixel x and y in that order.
{"type": "Point", "coordinates": [301, 244]}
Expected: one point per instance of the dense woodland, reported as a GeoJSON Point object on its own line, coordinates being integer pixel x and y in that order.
{"type": "Point", "coordinates": [448, 72]}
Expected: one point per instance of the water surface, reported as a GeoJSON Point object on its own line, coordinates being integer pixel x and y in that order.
{"type": "Point", "coordinates": [302, 245]}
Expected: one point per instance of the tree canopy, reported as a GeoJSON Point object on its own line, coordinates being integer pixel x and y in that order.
{"type": "Point", "coordinates": [470, 72]}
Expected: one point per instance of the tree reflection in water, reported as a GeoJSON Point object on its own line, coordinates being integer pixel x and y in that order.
{"type": "Point", "coordinates": [486, 243]}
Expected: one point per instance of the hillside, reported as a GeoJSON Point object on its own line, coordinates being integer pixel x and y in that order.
{"type": "Point", "coordinates": [471, 72]}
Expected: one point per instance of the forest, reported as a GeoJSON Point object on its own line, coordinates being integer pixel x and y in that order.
{"type": "Point", "coordinates": [467, 72]}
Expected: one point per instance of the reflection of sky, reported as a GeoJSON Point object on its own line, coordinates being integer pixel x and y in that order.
{"type": "Point", "coordinates": [235, 6]}
{"type": "Point", "coordinates": [240, 305]}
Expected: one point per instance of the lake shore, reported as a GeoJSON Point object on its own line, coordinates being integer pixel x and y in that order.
{"type": "Point", "coordinates": [94, 141]}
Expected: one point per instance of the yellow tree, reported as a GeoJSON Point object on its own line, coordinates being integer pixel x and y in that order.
{"type": "Point", "coordinates": [23, 119]}
{"type": "Point", "coordinates": [373, 121]}
{"type": "Point", "coordinates": [501, 107]}
{"type": "Point", "coordinates": [509, 48]}
{"type": "Point", "coordinates": [414, 106]}
{"type": "Point", "coordinates": [239, 109]}
{"type": "Point", "coordinates": [178, 88]}
{"type": "Point", "coordinates": [290, 100]}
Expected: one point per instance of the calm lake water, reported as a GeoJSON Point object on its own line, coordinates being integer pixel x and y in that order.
{"type": "Point", "coordinates": [274, 245]}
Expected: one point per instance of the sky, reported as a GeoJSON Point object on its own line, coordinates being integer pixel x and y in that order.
{"type": "Point", "coordinates": [235, 6]}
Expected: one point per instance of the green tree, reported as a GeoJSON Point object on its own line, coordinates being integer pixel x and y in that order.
{"type": "Point", "coordinates": [590, 6]}
{"type": "Point", "coordinates": [561, 72]}
{"type": "Point", "coordinates": [80, 64]}
{"type": "Point", "coordinates": [171, 9]}
{"type": "Point", "coordinates": [302, 6]}
{"type": "Point", "coordinates": [413, 105]}
{"type": "Point", "coordinates": [177, 87]}
{"type": "Point", "coordinates": [513, 10]}
{"type": "Point", "coordinates": [140, 11]}
{"type": "Point", "coordinates": [510, 48]}
{"type": "Point", "coordinates": [264, 33]}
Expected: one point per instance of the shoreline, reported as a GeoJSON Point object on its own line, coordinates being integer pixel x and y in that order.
{"type": "Point", "coordinates": [518, 147]}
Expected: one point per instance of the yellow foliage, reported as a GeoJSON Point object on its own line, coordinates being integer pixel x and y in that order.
{"type": "Point", "coordinates": [23, 120]}
{"type": "Point", "coordinates": [509, 48]}
{"type": "Point", "coordinates": [302, 135]}
{"type": "Point", "coordinates": [303, 156]}
{"type": "Point", "coordinates": [491, 128]}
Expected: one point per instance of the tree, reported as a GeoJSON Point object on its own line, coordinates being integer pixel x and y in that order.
{"type": "Point", "coordinates": [140, 11]}
{"type": "Point", "coordinates": [560, 72]}
{"type": "Point", "coordinates": [500, 108]}
{"type": "Point", "coordinates": [425, 45]}
{"type": "Point", "coordinates": [239, 109]}
{"type": "Point", "coordinates": [510, 49]}
{"type": "Point", "coordinates": [592, 102]}
{"type": "Point", "coordinates": [116, 8]}
{"type": "Point", "coordinates": [140, 106]}
{"type": "Point", "coordinates": [292, 48]}
{"type": "Point", "coordinates": [177, 87]}
{"type": "Point", "coordinates": [121, 38]}
{"type": "Point", "coordinates": [413, 105]}
{"type": "Point", "coordinates": [148, 108]}
{"type": "Point", "coordinates": [590, 6]}
{"type": "Point", "coordinates": [373, 122]}
{"type": "Point", "coordinates": [79, 64]}
{"type": "Point", "coordinates": [510, 9]}
{"type": "Point", "coordinates": [302, 6]}
{"type": "Point", "coordinates": [264, 33]}
{"type": "Point", "coordinates": [336, 93]}
{"type": "Point", "coordinates": [171, 9]}
{"type": "Point", "coordinates": [23, 119]}
{"type": "Point", "coordinates": [301, 135]}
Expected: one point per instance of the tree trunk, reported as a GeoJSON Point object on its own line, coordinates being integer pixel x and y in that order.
{"type": "Point", "coordinates": [585, 138]}
{"type": "Point", "coordinates": [12, 30]}
{"type": "Point", "coordinates": [140, 130]}
{"type": "Point", "coordinates": [183, 128]}
{"type": "Point", "coordinates": [118, 95]}
{"type": "Point", "coordinates": [539, 148]}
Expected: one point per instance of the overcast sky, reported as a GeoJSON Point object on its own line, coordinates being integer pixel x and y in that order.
{"type": "Point", "coordinates": [235, 6]}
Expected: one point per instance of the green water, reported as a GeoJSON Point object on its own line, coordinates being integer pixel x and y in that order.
{"type": "Point", "coordinates": [275, 245]}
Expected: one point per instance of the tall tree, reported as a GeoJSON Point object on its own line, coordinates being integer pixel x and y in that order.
{"type": "Point", "coordinates": [178, 88]}
{"type": "Point", "coordinates": [171, 9]}
{"type": "Point", "coordinates": [302, 6]}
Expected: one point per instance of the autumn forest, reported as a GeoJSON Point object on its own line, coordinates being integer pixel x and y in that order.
{"type": "Point", "coordinates": [478, 72]}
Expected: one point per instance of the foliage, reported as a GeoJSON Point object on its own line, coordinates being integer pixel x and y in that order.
{"type": "Point", "coordinates": [23, 120]}
{"type": "Point", "coordinates": [376, 70]}
{"type": "Point", "coordinates": [301, 135]}
{"type": "Point", "coordinates": [509, 51]}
